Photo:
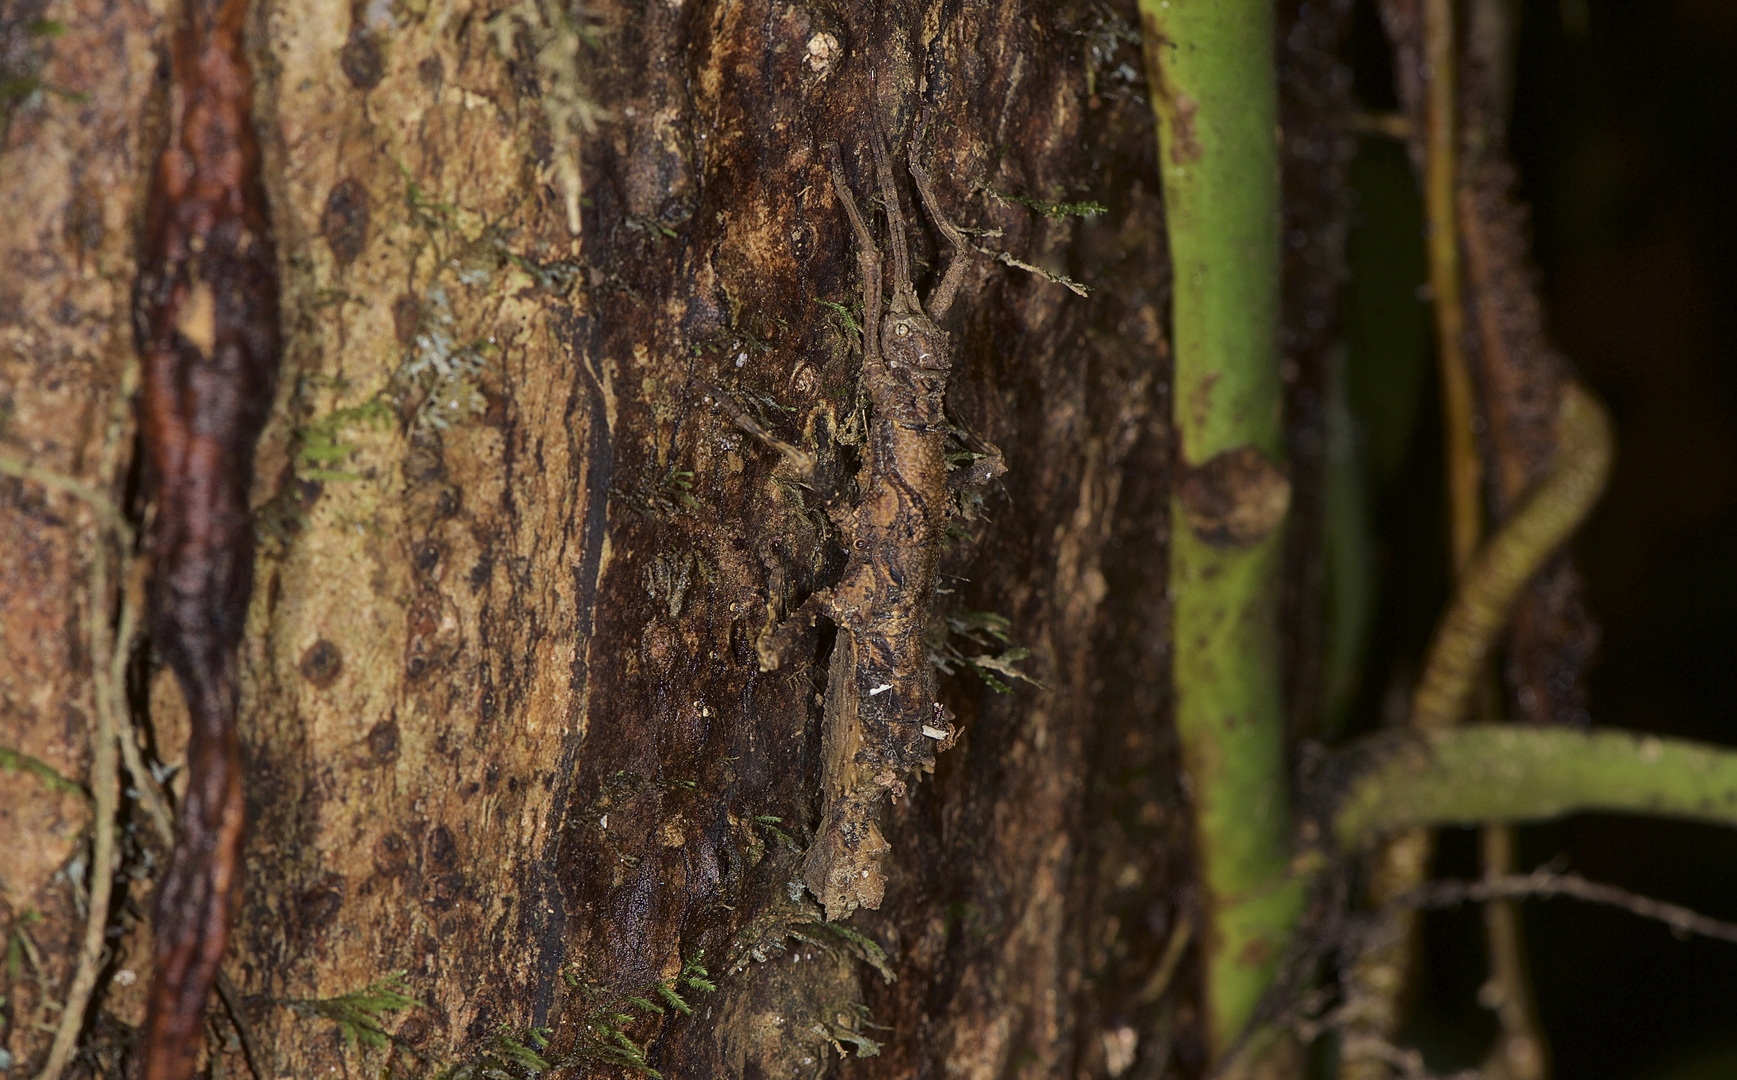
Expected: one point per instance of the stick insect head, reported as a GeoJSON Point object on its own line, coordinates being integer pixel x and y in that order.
{"type": "Point", "coordinates": [898, 241]}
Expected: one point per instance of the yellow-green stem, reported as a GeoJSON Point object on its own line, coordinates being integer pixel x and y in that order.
{"type": "Point", "coordinates": [1440, 174]}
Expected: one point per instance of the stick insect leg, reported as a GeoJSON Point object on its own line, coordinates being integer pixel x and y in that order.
{"type": "Point", "coordinates": [801, 463]}
{"type": "Point", "coordinates": [942, 298]}
{"type": "Point", "coordinates": [868, 260]}
{"type": "Point", "coordinates": [904, 295]}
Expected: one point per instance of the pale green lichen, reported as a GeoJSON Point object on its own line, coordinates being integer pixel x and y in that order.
{"type": "Point", "coordinates": [14, 761]}
{"type": "Point", "coordinates": [440, 382]}
{"type": "Point", "coordinates": [320, 445]}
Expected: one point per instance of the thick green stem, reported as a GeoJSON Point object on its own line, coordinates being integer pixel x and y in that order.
{"type": "Point", "coordinates": [1214, 90]}
{"type": "Point", "coordinates": [1513, 773]}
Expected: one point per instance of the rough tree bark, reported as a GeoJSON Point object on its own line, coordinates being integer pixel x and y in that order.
{"type": "Point", "coordinates": [504, 725]}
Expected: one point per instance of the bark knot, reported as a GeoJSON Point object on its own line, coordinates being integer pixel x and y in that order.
{"type": "Point", "coordinates": [1235, 499]}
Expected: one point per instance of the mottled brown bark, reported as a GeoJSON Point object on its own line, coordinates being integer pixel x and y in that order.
{"type": "Point", "coordinates": [982, 909]}
{"type": "Point", "coordinates": [502, 715]}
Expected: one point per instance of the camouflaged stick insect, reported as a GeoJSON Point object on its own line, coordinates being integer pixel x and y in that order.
{"type": "Point", "coordinates": [882, 721]}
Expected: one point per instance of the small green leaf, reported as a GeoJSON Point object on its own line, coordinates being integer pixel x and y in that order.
{"type": "Point", "coordinates": [668, 993]}
{"type": "Point", "coordinates": [326, 453]}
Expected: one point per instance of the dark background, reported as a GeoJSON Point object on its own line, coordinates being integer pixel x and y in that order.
{"type": "Point", "coordinates": [1625, 130]}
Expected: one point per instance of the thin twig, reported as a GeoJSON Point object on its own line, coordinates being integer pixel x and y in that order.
{"type": "Point", "coordinates": [150, 794]}
{"type": "Point", "coordinates": [1386, 125]}
{"type": "Point", "coordinates": [1520, 1050]}
{"type": "Point", "coordinates": [1441, 173]}
{"type": "Point", "coordinates": [104, 795]}
{"type": "Point", "coordinates": [1167, 965]}
{"type": "Point", "coordinates": [232, 1002]}
{"type": "Point", "coordinates": [1545, 884]}
{"type": "Point", "coordinates": [1065, 282]}
{"type": "Point", "coordinates": [13, 465]}
{"type": "Point", "coordinates": [1381, 974]}
{"type": "Point", "coordinates": [1408, 1061]}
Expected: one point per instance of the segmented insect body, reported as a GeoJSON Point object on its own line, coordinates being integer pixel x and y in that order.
{"type": "Point", "coordinates": [882, 721]}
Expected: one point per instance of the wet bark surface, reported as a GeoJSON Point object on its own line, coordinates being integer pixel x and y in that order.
{"type": "Point", "coordinates": [503, 722]}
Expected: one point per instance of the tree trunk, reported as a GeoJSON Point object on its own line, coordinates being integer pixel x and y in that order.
{"type": "Point", "coordinates": [504, 724]}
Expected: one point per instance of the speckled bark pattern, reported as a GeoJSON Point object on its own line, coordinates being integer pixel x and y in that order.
{"type": "Point", "coordinates": [72, 184]}
{"type": "Point", "coordinates": [432, 494]}
{"type": "Point", "coordinates": [511, 734]}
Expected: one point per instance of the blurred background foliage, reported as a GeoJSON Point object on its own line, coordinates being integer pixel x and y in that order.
{"type": "Point", "coordinates": [1625, 130]}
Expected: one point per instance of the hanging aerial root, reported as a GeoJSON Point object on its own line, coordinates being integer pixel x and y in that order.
{"type": "Point", "coordinates": [13, 465]}
{"type": "Point", "coordinates": [1501, 568]}
{"type": "Point", "coordinates": [109, 643]}
{"type": "Point", "coordinates": [206, 317]}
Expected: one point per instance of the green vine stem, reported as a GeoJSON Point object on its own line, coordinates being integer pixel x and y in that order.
{"type": "Point", "coordinates": [1214, 91]}
{"type": "Point", "coordinates": [1520, 773]}
{"type": "Point", "coordinates": [1376, 983]}
{"type": "Point", "coordinates": [1210, 69]}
